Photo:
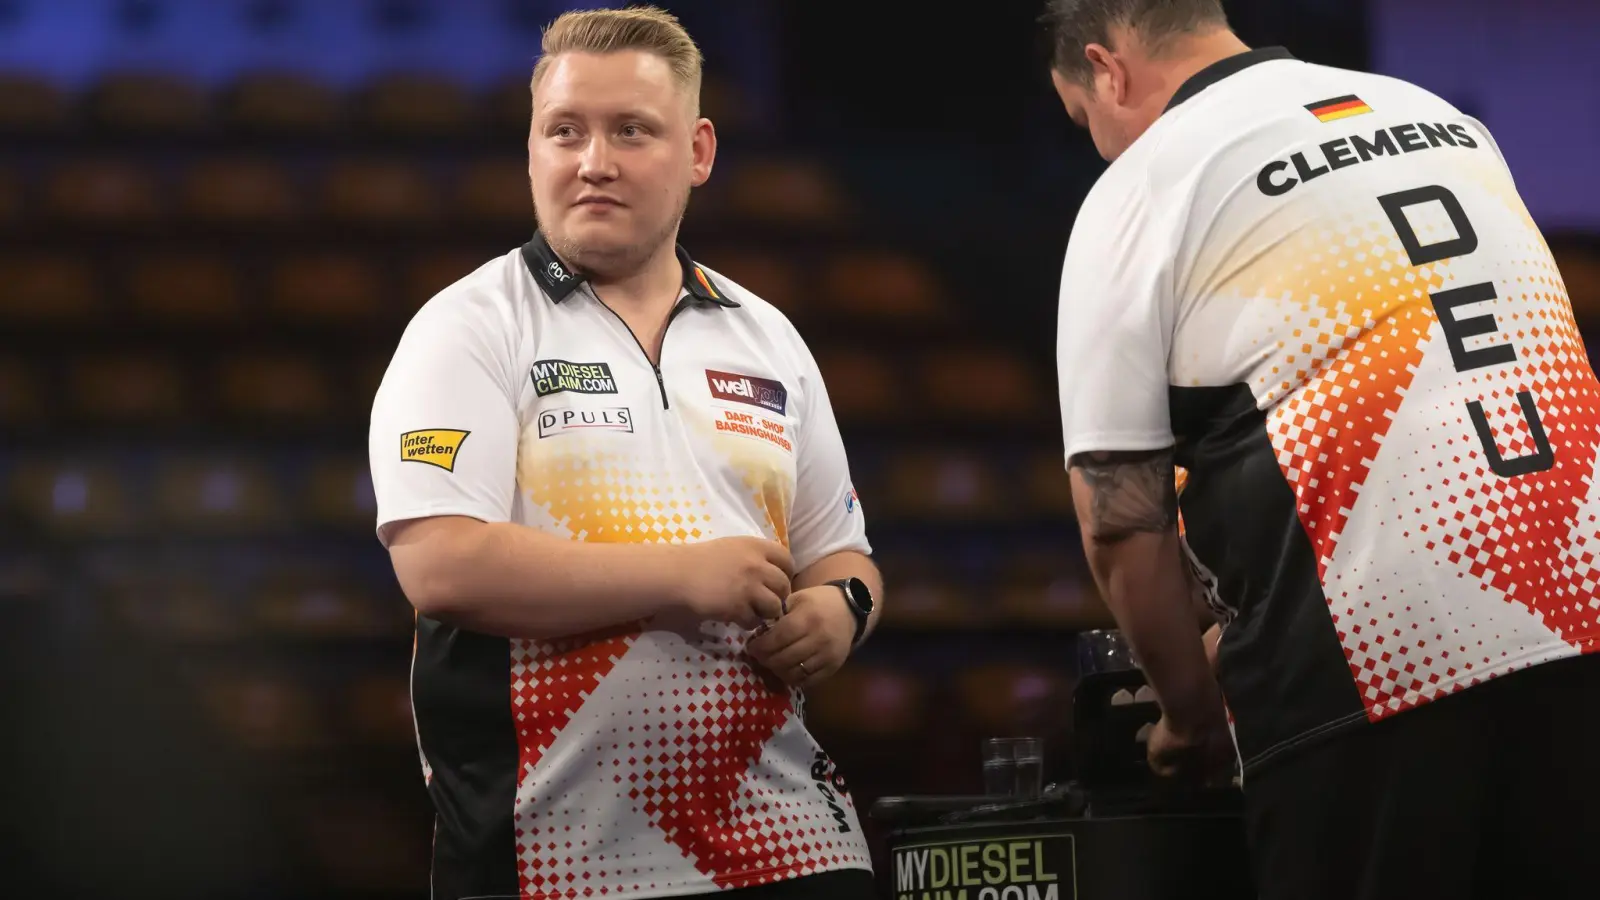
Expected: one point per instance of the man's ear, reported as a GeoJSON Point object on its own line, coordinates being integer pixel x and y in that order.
{"type": "Point", "coordinates": [1109, 74]}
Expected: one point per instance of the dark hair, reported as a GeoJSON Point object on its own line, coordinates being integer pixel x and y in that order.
{"type": "Point", "coordinates": [1074, 24]}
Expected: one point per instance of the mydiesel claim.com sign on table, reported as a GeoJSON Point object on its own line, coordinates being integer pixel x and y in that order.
{"type": "Point", "coordinates": [1021, 867]}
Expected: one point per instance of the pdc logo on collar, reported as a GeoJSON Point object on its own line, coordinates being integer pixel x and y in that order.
{"type": "Point", "coordinates": [557, 272]}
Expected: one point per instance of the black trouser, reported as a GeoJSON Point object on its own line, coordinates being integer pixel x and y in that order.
{"type": "Point", "coordinates": [841, 884]}
{"type": "Point", "coordinates": [1491, 793]}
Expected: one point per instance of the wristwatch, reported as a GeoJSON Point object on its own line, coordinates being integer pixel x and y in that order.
{"type": "Point", "coordinates": [858, 597]}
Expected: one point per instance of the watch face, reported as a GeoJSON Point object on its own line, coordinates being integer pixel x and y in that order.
{"type": "Point", "coordinates": [861, 595]}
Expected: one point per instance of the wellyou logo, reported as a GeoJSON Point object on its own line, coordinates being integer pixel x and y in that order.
{"type": "Point", "coordinates": [434, 446]}
{"type": "Point", "coordinates": [763, 392]}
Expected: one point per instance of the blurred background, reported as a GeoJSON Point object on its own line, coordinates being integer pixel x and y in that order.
{"type": "Point", "coordinates": [216, 216]}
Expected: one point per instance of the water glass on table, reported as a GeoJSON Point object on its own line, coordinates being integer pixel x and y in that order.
{"type": "Point", "coordinates": [1104, 650]}
{"type": "Point", "coordinates": [1013, 768]}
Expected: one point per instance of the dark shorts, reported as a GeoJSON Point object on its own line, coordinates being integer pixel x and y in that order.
{"type": "Point", "coordinates": [1490, 793]}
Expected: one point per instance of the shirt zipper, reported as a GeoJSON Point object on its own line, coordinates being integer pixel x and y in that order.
{"type": "Point", "coordinates": [661, 383]}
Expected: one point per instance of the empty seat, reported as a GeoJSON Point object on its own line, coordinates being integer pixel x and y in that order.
{"type": "Point", "coordinates": [862, 385]}
{"type": "Point", "coordinates": [1015, 699]}
{"type": "Point", "coordinates": [72, 497]}
{"type": "Point", "coordinates": [1051, 587]}
{"type": "Point", "coordinates": [1069, 602]}
{"type": "Point", "coordinates": [21, 394]}
{"type": "Point", "coordinates": [508, 106]}
{"type": "Point", "coordinates": [725, 103]}
{"type": "Point", "coordinates": [366, 846]}
{"type": "Point", "coordinates": [417, 103]}
{"type": "Point", "coordinates": [989, 384]}
{"type": "Point", "coordinates": [435, 272]}
{"type": "Point", "coordinates": [127, 388]}
{"type": "Point", "coordinates": [264, 712]}
{"type": "Point", "coordinates": [950, 485]}
{"type": "Point", "coordinates": [798, 192]}
{"type": "Point", "coordinates": [1048, 486]}
{"type": "Point", "coordinates": [275, 386]}
{"type": "Point", "coordinates": [367, 375]}
{"type": "Point", "coordinates": [31, 103]}
{"type": "Point", "coordinates": [872, 701]}
{"type": "Point", "coordinates": [285, 102]}
{"type": "Point", "coordinates": [24, 574]}
{"type": "Point", "coordinates": [11, 200]}
{"type": "Point", "coordinates": [312, 607]}
{"type": "Point", "coordinates": [496, 191]}
{"type": "Point", "coordinates": [339, 491]}
{"type": "Point", "coordinates": [1580, 271]}
{"type": "Point", "coordinates": [185, 288]}
{"type": "Point", "coordinates": [325, 287]}
{"type": "Point", "coordinates": [378, 710]}
{"type": "Point", "coordinates": [184, 608]}
{"type": "Point", "coordinates": [770, 276]}
{"type": "Point", "coordinates": [927, 604]}
{"type": "Point", "coordinates": [102, 192]}
{"type": "Point", "coordinates": [47, 287]}
{"type": "Point", "coordinates": [379, 193]}
{"type": "Point", "coordinates": [240, 191]}
{"type": "Point", "coordinates": [883, 285]}
{"type": "Point", "coordinates": [148, 101]}
{"type": "Point", "coordinates": [225, 494]}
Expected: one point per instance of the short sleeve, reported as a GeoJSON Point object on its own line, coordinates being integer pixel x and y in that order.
{"type": "Point", "coordinates": [443, 434]}
{"type": "Point", "coordinates": [827, 516]}
{"type": "Point", "coordinates": [1114, 324]}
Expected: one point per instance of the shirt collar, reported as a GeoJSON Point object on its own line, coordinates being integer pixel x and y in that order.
{"type": "Point", "coordinates": [559, 281]}
{"type": "Point", "coordinates": [1223, 68]}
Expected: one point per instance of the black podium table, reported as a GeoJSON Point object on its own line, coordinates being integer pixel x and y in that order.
{"type": "Point", "coordinates": [1134, 857]}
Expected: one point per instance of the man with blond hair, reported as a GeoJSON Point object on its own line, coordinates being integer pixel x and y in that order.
{"type": "Point", "coordinates": [611, 483]}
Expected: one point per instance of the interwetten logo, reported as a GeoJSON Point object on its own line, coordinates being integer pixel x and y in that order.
{"type": "Point", "coordinates": [763, 392]}
{"type": "Point", "coordinates": [434, 446]}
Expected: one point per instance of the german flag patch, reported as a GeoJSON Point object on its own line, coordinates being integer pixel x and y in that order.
{"type": "Point", "coordinates": [1338, 108]}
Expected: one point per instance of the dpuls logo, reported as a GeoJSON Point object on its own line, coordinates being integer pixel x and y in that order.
{"type": "Point", "coordinates": [607, 418]}
{"type": "Point", "coordinates": [763, 392]}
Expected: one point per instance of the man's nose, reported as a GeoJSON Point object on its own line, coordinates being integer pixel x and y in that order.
{"type": "Point", "coordinates": [597, 162]}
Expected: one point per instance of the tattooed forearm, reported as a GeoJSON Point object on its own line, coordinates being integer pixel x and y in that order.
{"type": "Point", "coordinates": [1128, 494]}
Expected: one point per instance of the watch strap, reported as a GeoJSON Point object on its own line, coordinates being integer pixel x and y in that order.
{"type": "Point", "coordinates": [861, 616]}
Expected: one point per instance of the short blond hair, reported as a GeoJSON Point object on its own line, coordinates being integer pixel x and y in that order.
{"type": "Point", "coordinates": [646, 29]}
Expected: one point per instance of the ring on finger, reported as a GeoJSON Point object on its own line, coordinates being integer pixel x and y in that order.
{"type": "Point", "coordinates": [804, 671]}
